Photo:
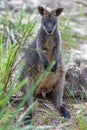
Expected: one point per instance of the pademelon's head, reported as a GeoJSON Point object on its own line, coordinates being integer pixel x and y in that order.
{"type": "Point", "coordinates": [49, 19]}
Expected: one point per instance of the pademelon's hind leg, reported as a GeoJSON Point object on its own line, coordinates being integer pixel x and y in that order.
{"type": "Point", "coordinates": [27, 91]}
{"type": "Point", "coordinates": [59, 87]}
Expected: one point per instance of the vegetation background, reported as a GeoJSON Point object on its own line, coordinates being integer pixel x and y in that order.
{"type": "Point", "coordinates": [19, 23]}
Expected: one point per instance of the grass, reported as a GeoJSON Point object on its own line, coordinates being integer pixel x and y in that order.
{"type": "Point", "coordinates": [15, 35]}
{"type": "Point", "coordinates": [10, 47]}
{"type": "Point", "coordinates": [9, 84]}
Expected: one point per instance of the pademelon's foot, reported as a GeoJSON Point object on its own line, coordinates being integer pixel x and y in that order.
{"type": "Point", "coordinates": [27, 119]}
{"type": "Point", "coordinates": [64, 113]}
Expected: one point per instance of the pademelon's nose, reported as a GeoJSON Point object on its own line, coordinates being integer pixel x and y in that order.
{"type": "Point", "coordinates": [49, 28]}
{"type": "Point", "coordinates": [49, 31]}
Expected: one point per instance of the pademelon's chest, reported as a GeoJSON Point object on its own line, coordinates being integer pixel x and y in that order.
{"type": "Point", "coordinates": [49, 47]}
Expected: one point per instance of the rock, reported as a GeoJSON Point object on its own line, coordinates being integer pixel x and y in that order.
{"type": "Point", "coordinates": [76, 73]}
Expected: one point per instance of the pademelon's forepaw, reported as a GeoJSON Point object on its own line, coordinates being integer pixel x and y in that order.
{"type": "Point", "coordinates": [54, 68]}
{"type": "Point", "coordinates": [46, 64]}
{"type": "Point", "coordinates": [64, 113]}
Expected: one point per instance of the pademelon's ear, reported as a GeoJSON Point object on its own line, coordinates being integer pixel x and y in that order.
{"type": "Point", "coordinates": [57, 11]}
{"type": "Point", "coordinates": [41, 10]}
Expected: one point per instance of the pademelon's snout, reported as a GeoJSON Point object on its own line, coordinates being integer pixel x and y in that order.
{"type": "Point", "coordinates": [49, 28]}
{"type": "Point", "coordinates": [49, 31]}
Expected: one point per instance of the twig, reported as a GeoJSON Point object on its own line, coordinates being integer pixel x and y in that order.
{"type": "Point", "coordinates": [62, 125]}
{"type": "Point", "coordinates": [80, 2]}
